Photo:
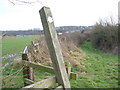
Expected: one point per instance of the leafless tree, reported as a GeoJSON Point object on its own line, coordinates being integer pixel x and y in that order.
{"type": "Point", "coordinates": [23, 2]}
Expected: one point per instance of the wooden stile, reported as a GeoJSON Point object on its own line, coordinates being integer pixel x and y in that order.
{"type": "Point", "coordinates": [62, 73]}
{"type": "Point", "coordinates": [49, 69]}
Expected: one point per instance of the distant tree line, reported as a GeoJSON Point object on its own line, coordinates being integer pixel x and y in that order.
{"type": "Point", "coordinates": [62, 29]}
{"type": "Point", "coordinates": [21, 32]}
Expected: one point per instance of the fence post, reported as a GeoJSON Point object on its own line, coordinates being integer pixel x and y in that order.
{"type": "Point", "coordinates": [27, 71]}
{"type": "Point", "coordinates": [54, 47]}
{"type": "Point", "coordinates": [31, 71]}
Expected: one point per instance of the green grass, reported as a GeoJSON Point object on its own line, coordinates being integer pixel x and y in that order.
{"type": "Point", "coordinates": [101, 69]}
{"type": "Point", "coordinates": [13, 46]}
{"type": "Point", "coordinates": [12, 78]}
{"type": "Point", "coordinates": [16, 45]}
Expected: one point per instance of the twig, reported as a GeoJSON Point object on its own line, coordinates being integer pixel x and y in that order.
{"type": "Point", "coordinates": [11, 2]}
{"type": "Point", "coordinates": [23, 2]}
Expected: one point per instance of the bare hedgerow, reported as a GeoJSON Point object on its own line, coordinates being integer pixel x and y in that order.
{"type": "Point", "coordinates": [105, 36]}
{"type": "Point", "coordinates": [71, 53]}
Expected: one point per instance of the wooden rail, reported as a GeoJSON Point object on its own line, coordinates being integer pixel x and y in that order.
{"type": "Point", "coordinates": [47, 68]}
{"type": "Point", "coordinates": [43, 84]}
{"type": "Point", "coordinates": [39, 67]}
{"type": "Point", "coordinates": [29, 83]}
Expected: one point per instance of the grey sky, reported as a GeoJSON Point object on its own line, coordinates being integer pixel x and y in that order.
{"type": "Point", "coordinates": [65, 12]}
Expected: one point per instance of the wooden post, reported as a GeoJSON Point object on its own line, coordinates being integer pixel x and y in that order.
{"type": "Point", "coordinates": [54, 47]}
{"type": "Point", "coordinates": [27, 71]}
{"type": "Point", "coordinates": [41, 85]}
{"type": "Point", "coordinates": [31, 71]}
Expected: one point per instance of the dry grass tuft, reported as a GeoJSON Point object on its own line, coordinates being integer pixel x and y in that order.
{"type": "Point", "coordinates": [71, 53]}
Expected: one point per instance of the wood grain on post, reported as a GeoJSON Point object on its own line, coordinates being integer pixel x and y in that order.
{"type": "Point", "coordinates": [54, 47]}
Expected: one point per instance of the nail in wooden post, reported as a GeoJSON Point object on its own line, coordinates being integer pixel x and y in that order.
{"type": "Point", "coordinates": [54, 47]}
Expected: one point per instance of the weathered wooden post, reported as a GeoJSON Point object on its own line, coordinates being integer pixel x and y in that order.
{"type": "Point", "coordinates": [31, 71]}
{"type": "Point", "coordinates": [25, 69]}
{"type": "Point", "coordinates": [54, 47]}
{"type": "Point", "coordinates": [28, 75]}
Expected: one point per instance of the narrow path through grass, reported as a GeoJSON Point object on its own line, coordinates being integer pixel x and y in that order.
{"type": "Point", "coordinates": [101, 69]}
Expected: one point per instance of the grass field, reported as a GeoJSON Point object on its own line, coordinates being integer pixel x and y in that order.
{"type": "Point", "coordinates": [16, 44]}
{"type": "Point", "coordinates": [100, 71]}
{"type": "Point", "coordinates": [11, 48]}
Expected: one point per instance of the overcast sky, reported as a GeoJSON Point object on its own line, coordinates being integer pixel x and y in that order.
{"type": "Point", "coordinates": [65, 13]}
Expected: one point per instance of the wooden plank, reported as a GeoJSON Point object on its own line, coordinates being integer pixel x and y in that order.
{"type": "Point", "coordinates": [42, 84]}
{"type": "Point", "coordinates": [28, 81]}
{"type": "Point", "coordinates": [47, 69]}
{"type": "Point", "coordinates": [54, 47]}
{"type": "Point", "coordinates": [39, 67]}
{"type": "Point", "coordinates": [59, 88]}
{"type": "Point", "coordinates": [25, 50]}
